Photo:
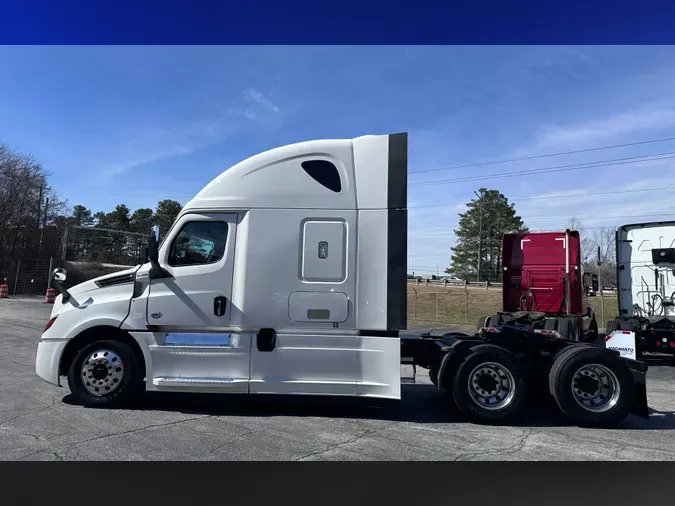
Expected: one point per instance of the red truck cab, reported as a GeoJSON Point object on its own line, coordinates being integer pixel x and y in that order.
{"type": "Point", "coordinates": [544, 282]}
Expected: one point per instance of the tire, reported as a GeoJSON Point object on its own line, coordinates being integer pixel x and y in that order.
{"type": "Point", "coordinates": [602, 368]}
{"type": "Point", "coordinates": [118, 385]}
{"type": "Point", "coordinates": [510, 385]}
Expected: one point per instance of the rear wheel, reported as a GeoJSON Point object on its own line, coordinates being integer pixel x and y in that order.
{"type": "Point", "coordinates": [488, 386]}
{"type": "Point", "coordinates": [591, 386]}
{"type": "Point", "coordinates": [105, 374]}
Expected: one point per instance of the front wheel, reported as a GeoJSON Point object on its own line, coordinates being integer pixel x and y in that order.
{"type": "Point", "coordinates": [105, 374]}
{"type": "Point", "coordinates": [488, 386]}
{"type": "Point", "coordinates": [592, 387]}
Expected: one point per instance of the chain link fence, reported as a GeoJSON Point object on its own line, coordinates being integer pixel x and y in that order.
{"type": "Point", "coordinates": [463, 306]}
{"type": "Point", "coordinates": [27, 277]}
{"type": "Point", "coordinates": [103, 246]}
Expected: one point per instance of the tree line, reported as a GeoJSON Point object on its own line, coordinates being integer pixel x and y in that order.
{"type": "Point", "coordinates": [34, 219]}
{"type": "Point", "coordinates": [477, 252]}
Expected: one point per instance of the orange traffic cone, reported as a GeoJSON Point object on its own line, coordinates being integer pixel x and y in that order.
{"type": "Point", "coordinates": [49, 297]}
{"type": "Point", "coordinates": [4, 290]}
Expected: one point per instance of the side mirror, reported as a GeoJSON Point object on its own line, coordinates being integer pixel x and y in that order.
{"type": "Point", "coordinates": [59, 275]}
{"type": "Point", "coordinates": [153, 245]}
{"type": "Point", "coordinates": [153, 255]}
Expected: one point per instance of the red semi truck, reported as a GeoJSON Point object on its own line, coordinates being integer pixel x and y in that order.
{"type": "Point", "coordinates": [544, 286]}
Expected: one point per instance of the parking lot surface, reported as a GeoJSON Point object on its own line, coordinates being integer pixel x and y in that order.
{"type": "Point", "coordinates": [39, 422]}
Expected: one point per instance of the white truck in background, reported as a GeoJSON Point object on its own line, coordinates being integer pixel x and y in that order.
{"type": "Point", "coordinates": [645, 256]}
{"type": "Point", "coordinates": [287, 274]}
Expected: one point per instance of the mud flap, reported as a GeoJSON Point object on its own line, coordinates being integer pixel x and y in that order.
{"type": "Point", "coordinates": [640, 406]}
{"type": "Point", "coordinates": [623, 342]}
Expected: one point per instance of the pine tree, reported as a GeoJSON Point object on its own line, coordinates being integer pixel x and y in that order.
{"type": "Point", "coordinates": [166, 213]}
{"type": "Point", "coordinates": [487, 218]}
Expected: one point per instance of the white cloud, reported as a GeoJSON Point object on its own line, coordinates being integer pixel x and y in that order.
{"type": "Point", "coordinates": [148, 145]}
{"type": "Point", "coordinates": [256, 96]}
{"type": "Point", "coordinates": [604, 129]}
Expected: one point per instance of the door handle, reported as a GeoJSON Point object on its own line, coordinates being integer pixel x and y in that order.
{"type": "Point", "coordinates": [266, 340]}
{"type": "Point", "coordinates": [219, 306]}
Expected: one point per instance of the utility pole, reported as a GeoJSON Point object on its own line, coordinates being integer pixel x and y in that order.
{"type": "Point", "coordinates": [480, 236]}
{"type": "Point", "coordinates": [38, 216]}
{"type": "Point", "coordinates": [602, 298]}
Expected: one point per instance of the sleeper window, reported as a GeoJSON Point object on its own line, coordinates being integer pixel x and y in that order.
{"type": "Point", "coordinates": [324, 173]}
{"type": "Point", "coordinates": [198, 243]}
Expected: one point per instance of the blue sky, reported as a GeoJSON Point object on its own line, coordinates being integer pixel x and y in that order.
{"type": "Point", "coordinates": [137, 124]}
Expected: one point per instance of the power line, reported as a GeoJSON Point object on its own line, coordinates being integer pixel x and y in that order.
{"type": "Point", "coordinates": [563, 215]}
{"type": "Point", "coordinates": [548, 155]}
{"type": "Point", "coordinates": [547, 197]}
{"type": "Point", "coordinates": [558, 168]}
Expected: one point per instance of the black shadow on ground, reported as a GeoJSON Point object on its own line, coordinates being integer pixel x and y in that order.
{"type": "Point", "coordinates": [419, 404]}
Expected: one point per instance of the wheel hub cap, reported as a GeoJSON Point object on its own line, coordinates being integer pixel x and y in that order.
{"type": "Point", "coordinates": [491, 386]}
{"type": "Point", "coordinates": [595, 387]}
{"type": "Point", "coordinates": [102, 372]}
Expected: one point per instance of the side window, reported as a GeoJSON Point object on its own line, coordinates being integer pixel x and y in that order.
{"type": "Point", "coordinates": [198, 243]}
{"type": "Point", "coordinates": [324, 173]}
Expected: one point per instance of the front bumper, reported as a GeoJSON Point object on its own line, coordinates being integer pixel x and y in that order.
{"type": "Point", "coordinates": [48, 359]}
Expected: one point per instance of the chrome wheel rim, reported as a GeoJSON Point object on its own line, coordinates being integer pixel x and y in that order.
{"type": "Point", "coordinates": [102, 372]}
{"type": "Point", "coordinates": [491, 386]}
{"type": "Point", "coordinates": [595, 388]}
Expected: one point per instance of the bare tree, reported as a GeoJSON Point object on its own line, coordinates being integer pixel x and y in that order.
{"type": "Point", "coordinates": [28, 209]}
{"type": "Point", "coordinates": [604, 242]}
{"type": "Point", "coordinates": [587, 244]}
{"type": "Point", "coordinates": [602, 238]}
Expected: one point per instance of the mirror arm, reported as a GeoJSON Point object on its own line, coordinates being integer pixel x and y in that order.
{"type": "Point", "coordinates": [65, 294]}
{"type": "Point", "coordinates": [157, 272]}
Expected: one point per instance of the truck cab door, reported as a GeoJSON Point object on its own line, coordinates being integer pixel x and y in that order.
{"type": "Point", "coordinates": [198, 258]}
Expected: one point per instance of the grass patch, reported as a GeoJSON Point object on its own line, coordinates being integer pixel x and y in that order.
{"type": "Point", "coordinates": [457, 306]}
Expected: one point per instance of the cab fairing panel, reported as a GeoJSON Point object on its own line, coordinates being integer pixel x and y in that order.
{"type": "Point", "coordinates": [275, 180]}
{"type": "Point", "coordinates": [636, 280]}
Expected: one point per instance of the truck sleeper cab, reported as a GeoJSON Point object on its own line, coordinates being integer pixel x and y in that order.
{"type": "Point", "coordinates": [287, 274]}
{"type": "Point", "coordinates": [645, 257]}
{"type": "Point", "coordinates": [283, 275]}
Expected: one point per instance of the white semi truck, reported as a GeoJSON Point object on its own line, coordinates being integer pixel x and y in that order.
{"type": "Point", "coordinates": [645, 256]}
{"type": "Point", "coordinates": [287, 274]}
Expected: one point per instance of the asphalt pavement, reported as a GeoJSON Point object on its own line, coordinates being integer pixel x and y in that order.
{"type": "Point", "coordinates": [39, 422]}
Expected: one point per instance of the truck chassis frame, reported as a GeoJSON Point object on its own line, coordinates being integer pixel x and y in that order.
{"type": "Point", "coordinates": [539, 358]}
